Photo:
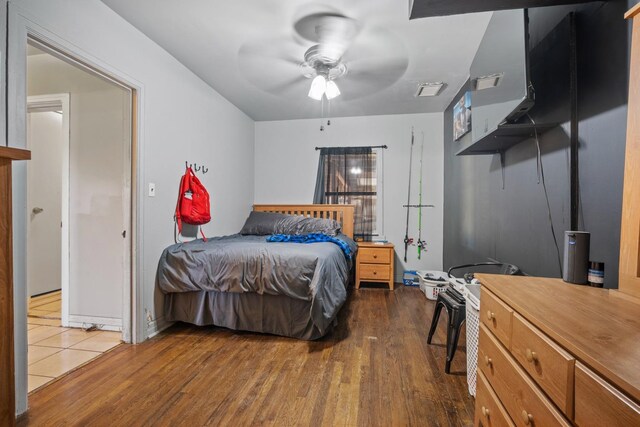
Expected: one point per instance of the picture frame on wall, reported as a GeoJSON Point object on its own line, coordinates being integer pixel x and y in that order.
{"type": "Point", "coordinates": [462, 117]}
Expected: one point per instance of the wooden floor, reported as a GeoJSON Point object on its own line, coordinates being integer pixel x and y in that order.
{"type": "Point", "coordinates": [47, 306]}
{"type": "Point", "coordinates": [375, 369]}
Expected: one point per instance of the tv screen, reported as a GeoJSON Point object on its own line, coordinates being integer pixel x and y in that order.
{"type": "Point", "coordinates": [500, 73]}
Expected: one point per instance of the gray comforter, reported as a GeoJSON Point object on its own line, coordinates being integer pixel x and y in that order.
{"type": "Point", "coordinates": [316, 272]}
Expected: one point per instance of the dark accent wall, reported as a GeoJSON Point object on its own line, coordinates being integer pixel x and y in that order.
{"type": "Point", "coordinates": [486, 221]}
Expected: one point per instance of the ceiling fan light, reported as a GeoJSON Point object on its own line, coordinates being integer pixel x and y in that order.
{"type": "Point", "coordinates": [318, 87]}
{"type": "Point", "coordinates": [332, 90]}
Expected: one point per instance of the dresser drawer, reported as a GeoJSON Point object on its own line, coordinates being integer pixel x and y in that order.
{"type": "Point", "coordinates": [547, 363]}
{"type": "Point", "coordinates": [496, 316]}
{"type": "Point", "coordinates": [600, 404]}
{"type": "Point", "coordinates": [523, 400]}
{"type": "Point", "coordinates": [489, 410]}
{"type": "Point", "coordinates": [374, 255]}
{"type": "Point", "coordinates": [374, 272]}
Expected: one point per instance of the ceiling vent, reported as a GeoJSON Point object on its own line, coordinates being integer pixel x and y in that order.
{"type": "Point", "coordinates": [486, 82]}
{"type": "Point", "coordinates": [430, 89]}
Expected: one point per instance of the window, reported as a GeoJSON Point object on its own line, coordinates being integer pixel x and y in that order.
{"type": "Point", "coordinates": [349, 175]}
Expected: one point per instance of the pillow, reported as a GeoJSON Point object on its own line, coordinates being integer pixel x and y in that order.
{"type": "Point", "coordinates": [266, 223]}
{"type": "Point", "coordinates": [303, 225]}
{"type": "Point", "coordinates": [261, 223]}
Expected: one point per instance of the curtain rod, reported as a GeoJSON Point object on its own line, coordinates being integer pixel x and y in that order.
{"type": "Point", "coordinates": [371, 146]}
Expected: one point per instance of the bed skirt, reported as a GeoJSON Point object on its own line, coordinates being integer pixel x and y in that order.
{"type": "Point", "coordinates": [271, 314]}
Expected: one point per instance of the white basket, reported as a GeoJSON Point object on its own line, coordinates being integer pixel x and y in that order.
{"type": "Point", "coordinates": [432, 291]}
{"type": "Point", "coordinates": [473, 330]}
{"type": "Point", "coordinates": [431, 288]}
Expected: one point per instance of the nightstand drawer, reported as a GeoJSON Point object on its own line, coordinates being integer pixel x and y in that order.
{"type": "Point", "coordinates": [374, 272]}
{"type": "Point", "coordinates": [374, 255]}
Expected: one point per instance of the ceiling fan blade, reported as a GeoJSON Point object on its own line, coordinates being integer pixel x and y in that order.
{"type": "Point", "coordinates": [375, 42]}
{"type": "Point", "coordinates": [371, 76]}
{"type": "Point", "coordinates": [274, 50]}
{"type": "Point", "coordinates": [376, 60]}
{"type": "Point", "coordinates": [292, 87]}
{"type": "Point", "coordinates": [279, 57]}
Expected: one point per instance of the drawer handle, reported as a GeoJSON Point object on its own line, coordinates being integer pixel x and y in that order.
{"type": "Point", "coordinates": [488, 361]}
{"type": "Point", "coordinates": [532, 356]}
{"type": "Point", "coordinates": [485, 412]}
{"type": "Point", "coordinates": [375, 256]}
{"type": "Point", "coordinates": [527, 418]}
{"type": "Point", "coordinates": [375, 272]}
{"type": "Point", "coordinates": [490, 315]}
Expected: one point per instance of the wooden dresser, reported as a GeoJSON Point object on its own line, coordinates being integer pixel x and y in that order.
{"type": "Point", "coordinates": [551, 353]}
{"type": "Point", "coordinates": [374, 263]}
{"type": "Point", "coordinates": [7, 368]}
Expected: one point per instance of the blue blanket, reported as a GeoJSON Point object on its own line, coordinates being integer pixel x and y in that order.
{"type": "Point", "coordinates": [312, 238]}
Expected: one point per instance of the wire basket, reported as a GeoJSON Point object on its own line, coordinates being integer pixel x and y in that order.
{"type": "Point", "coordinates": [473, 330]}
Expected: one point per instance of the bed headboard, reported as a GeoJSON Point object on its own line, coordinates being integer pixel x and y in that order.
{"type": "Point", "coordinates": [341, 213]}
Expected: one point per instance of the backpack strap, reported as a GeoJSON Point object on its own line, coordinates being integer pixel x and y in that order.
{"type": "Point", "coordinates": [175, 233]}
{"type": "Point", "coordinates": [177, 217]}
{"type": "Point", "coordinates": [202, 234]}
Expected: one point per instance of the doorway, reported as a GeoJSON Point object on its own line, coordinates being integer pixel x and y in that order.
{"type": "Point", "coordinates": [48, 206]}
{"type": "Point", "coordinates": [79, 127]}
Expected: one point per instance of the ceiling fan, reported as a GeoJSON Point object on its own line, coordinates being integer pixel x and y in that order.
{"type": "Point", "coordinates": [332, 33]}
{"type": "Point", "coordinates": [330, 49]}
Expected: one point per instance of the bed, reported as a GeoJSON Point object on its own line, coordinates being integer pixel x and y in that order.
{"type": "Point", "coordinates": [243, 282]}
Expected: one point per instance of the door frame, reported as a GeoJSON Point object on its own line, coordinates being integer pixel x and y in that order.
{"type": "Point", "coordinates": [53, 102]}
{"type": "Point", "coordinates": [23, 26]}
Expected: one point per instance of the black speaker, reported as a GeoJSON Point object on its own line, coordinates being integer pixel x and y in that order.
{"type": "Point", "coordinates": [576, 256]}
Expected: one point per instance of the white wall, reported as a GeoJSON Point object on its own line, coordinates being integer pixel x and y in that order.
{"type": "Point", "coordinates": [286, 165]}
{"type": "Point", "coordinates": [182, 119]}
{"type": "Point", "coordinates": [100, 129]}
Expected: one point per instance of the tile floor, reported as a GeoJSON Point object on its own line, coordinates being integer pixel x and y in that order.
{"type": "Point", "coordinates": [54, 350]}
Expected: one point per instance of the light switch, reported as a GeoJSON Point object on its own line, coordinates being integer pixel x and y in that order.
{"type": "Point", "coordinates": [152, 189]}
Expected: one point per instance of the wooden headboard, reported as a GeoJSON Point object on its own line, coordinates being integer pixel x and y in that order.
{"type": "Point", "coordinates": [341, 213]}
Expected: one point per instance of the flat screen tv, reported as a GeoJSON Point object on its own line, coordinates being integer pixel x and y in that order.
{"type": "Point", "coordinates": [499, 74]}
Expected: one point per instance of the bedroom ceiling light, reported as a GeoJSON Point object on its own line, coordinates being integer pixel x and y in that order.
{"type": "Point", "coordinates": [322, 86]}
{"type": "Point", "coordinates": [318, 87]}
{"type": "Point", "coordinates": [487, 82]}
{"type": "Point", "coordinates": [332, 90]}
{"type": "Point", "coordinates": [430, 89]}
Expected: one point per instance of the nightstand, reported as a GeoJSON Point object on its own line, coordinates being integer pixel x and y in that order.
{"type": "Point", "coordinates": [374, 263]}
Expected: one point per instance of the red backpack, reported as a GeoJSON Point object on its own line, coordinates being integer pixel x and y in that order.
{"type": "Point", "coordinates": [193, 202]}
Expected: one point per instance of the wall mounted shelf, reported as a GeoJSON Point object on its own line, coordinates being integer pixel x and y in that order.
{"type": "Point", "coordinates": [506, 136]}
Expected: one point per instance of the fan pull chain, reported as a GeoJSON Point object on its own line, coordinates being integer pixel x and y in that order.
{"type": "Point", "coordinates": [328, 112]}
{"type": "Point", "coordinates": [322, 114]}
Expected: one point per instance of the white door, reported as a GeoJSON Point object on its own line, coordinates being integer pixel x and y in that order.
{"type": "Point", "coordinates": [44, 202]}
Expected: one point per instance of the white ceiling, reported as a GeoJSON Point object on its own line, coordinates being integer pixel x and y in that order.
{"type": "Point", "coordinates": [218, 41]}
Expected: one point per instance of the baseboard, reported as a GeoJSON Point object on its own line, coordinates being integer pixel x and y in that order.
{"type": "Point", "coordinates": [22, 417]}
{"type": "Point", "coordinates": [154, 327]}
{"type": "Point", "coordinates": [45, 293]}
{"type": "Point", "coordinates": [105, 323]}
